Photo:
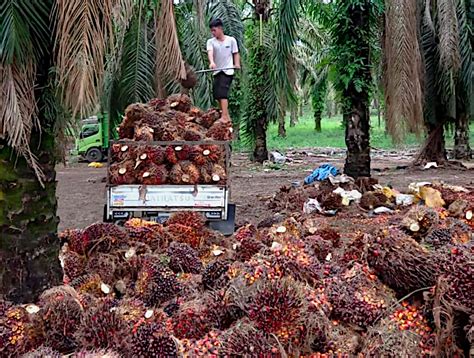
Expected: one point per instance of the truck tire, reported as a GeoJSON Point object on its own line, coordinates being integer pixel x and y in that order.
{"type": "Point", "coordinates": [94, 155]}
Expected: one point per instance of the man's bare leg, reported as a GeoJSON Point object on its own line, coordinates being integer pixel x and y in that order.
{"type": "Point", "coordinates": [225, 109]}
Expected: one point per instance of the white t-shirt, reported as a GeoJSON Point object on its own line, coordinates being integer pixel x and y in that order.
{"type": "Point", "coordinates": [223, 52]}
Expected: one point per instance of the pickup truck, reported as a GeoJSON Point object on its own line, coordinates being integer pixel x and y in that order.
{"type": "Point", "coordinates": [158, 202]}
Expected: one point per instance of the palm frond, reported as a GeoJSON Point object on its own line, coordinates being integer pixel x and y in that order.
{"type": "Point", "coordinates": [466, 77]}
{"type": "Point", "coordinates": [23, 30]}
{"type": "Point", "coordinates": [83, 34]}
{"type": "Point", "coordinates": [448, 32]}
{"type": "Point", "coordinates": [402, 67]}
{"type": "Point", "coordinates": [137, 73]}
{"type": "Point", "coordinates": [193, 44]}
{"type": "Point", "coordinates": [170, 63]}
{"type": "Point", "coordinates": [18, 110]}
{"type": "Point", "coordinates": [286, 36]}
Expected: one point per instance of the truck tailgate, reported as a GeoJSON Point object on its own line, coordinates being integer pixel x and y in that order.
{"type": "Point", "coordinates": [166, 196]}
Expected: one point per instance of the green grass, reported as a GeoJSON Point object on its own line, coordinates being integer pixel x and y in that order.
{"type": "Point", "coordinates": [303, 135]}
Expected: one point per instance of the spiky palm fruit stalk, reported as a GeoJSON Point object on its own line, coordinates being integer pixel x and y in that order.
{"type": "Point", "coordinates": [191, 173]}
{"type": "Point", "coordinates": [183, 258]}
{"type": "Point", "coordinates": [248, 247]}
{"type": "Point", "coordinates": [439, 238]}
{"type": "Point", "coordinates": [122, 173]}
{"type": "Point", "coordinates": [153, 175]}
{"type": "Point", "coordinates": [182, 152]}
{"type": "Point", "coordinates": [155, 283]}
{"type": "Point", "coordinates": [154, 154]}
{"type": "Point", "coordinates": [387, 339]}
{"type": "Point", "coordinates": [42, 352]}
{"type": "Point", "coordinates": [456, 268]}
{"type": "Point", "coordinates": [214, 276]}
{"type": "Point", "coordinates": [223, 312]}
{"type": "Point", "coordinates": [121, 152]}
{"type": "Point", "coordinates": [154, 237]}
{"type": "Point", "coordinates": [220, 131]}
{"type": "Point", "coordinates": [75, 240]}
{"type": "Point", "coordinates": [72, 263]}
{"type": "Point", "coordinates": [191, 219]}
{"type": "Point", "coordinates": [358, 299]}
{"type": "Point", "coordinates": [209, 117]}
{"type": "Point", "coordinates": [135, 112]}
{"type": "Point", "coordinates": [186, 234]}
{"type": "Point", "coordinates": [277, 307]}
{"type": "Point", "coordinates": [100, 353]}
{"type": "Point", "coordinates": [104, 265]}
{"type": "Point", "coordinates": [176, 174]}
{"type": "Point", "coordinates": [192, 321]}
{"type": "Point", "coordinates": [180, 102]}
{"type": "Point", "coordinates": [143, 133]}
{"type": "Point", "coordinates": [170, 155]}
{"type": "Point", "coordinates": [401, 262]}
{"type": "Point", "coordinates": [104, 236]}
{"type": "Point", "coordinates": [419, 221]}
{"type": "Point", "coordinates": [192, 135]}
{"type": "Point", "coordinates": [103, 328]}
{"type": "Point", "coordinates": [244, 339]}
{"type": "Point", "coordinates": [125, 132]}
{"type": "Point", "coordinates": [149, 340]}
{"type": "Point", "coordinates": [60, 317]}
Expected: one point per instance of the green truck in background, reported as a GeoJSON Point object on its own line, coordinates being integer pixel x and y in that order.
{"type": "Point", "coordinates": [92, 142]}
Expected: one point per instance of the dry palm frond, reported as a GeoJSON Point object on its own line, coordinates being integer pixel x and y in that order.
{"type": "Point", "coordinates": [84, 31]}
{"type": "Point", "coordinates": [448, 30]}
{"type": "Point", "coordinates": [170, 63]}
{"type": "Point", "coordinates": [403, 69]}
{"type": "Point", "coordinates": [18, 110]}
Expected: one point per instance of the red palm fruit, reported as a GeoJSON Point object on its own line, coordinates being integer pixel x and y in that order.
{"type": "Point", "coordinates": [153, 175]}
{"type": "Point", "coordinates": [18, 330]}
{"type": "Point", "coordinates": [156, 283]}
{"type": "Point", "coordinates": [191, 173]}
{"type": "Point", "coordinates": [72, 263]}
{"type": "Point", "coordinates": [143, 133]}
{"type": "Point", "coordinates": [102, 327]}
{"type": "Point", "coordinates": [176, 174]}
{"type": "Point", "coordinates": [219, 174]}
{"type": "Point", "coordinates": [122, 173]}
{"type": "Point", "coordinates": [90, 284]}
{"type": "Point", "coordinates": [104, 236]}
{"type": "Point", "coordinates": [192, 135]}
{"type": "Point", "coordinates": [125, 132]}
{"type": "Point", "coordinates": [171, 155]}
{"type": "Point", "coordinates": [197, 156]}
{"type": "Point", "coordinates": [183, 258]}
{"type": "Point", "coordinates": [156, 154]}
{"type": "Point", "coordinates": [220, 131]}
{"type": "Point", "coordinates": [158, 103]}
{"type": "Point", "coordinates": [213, 153]}
{"type": "Point", "coordinates": [248, 247]}
{"type": "Point", "coordinates": [192, 321]}
{"type": "Point", "coordinates": [61, 314]}
{"type": "Point", "coordinates": [104, 265]}
{"type": "Point", "coordinates": [214, 274]}
{"type": "Point", "coordinates": [150, 119]}
{"type": "Point", "coordinates": [75, 240]}
{"type": "Point", "coordinates": [121, 152]}
{"type": "Point", "coordinates": [196, 112]}
{"type": "Point", "coordinates": [245, 232]}
{"type": "Point", "coordinates": [182, 152]}
{"type": "Point", "coordinates": [135, 112]}
{"type": "Point", "coordinates": [191, 219]}
{"type": "Point", "coordinates": [186, 234]}
{"type": "Point", "coordinates": [150, 341]}
{"type": "Point", "coordinates": [209, 117]}
{"type": "Point", "coordinates": [180, 102]}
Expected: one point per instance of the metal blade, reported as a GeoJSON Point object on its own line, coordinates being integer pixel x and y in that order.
{"type": "Point", "coordinates": [216, 69]}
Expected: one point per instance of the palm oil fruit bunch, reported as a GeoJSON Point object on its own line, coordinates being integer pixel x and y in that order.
{"type": "Point", "coordinates": [209, 346]}
{"type": "Point", "coordinates": [192, 321]}
{"type": "Point", "coordinates": [401, 262]}
{"type": "Point", "coordinates": [150, 340]}
{"type": "Point", "coordinates": [183, 258]}
{"type": "Point", "coordinates": [155, 283]}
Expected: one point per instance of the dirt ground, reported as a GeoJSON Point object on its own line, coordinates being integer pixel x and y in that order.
{"type": "Point", "coordinates": [81, 190]}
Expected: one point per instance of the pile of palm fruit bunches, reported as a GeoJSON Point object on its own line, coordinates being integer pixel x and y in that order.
{"type": "Point", "coordinates": [136, 160]}
{"type": "Point", "coordinates": [399, 284]}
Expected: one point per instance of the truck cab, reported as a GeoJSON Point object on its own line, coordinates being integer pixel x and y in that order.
{"type": "Point", "coordinates": [92, 142]}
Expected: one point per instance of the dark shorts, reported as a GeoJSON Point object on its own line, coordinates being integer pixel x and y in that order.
{"type": "Point", "coordinates": [221, 85]}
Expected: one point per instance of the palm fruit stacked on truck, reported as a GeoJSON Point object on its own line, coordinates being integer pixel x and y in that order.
{"type": "Point", "coordinates": [137, 161]}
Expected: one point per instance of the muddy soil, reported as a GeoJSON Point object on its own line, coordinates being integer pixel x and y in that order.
{"type": "Point", "coordinates": [81, 190]}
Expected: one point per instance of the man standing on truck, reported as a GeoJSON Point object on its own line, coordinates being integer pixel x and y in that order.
{"type": "Point", "coordinates": [223, 52]}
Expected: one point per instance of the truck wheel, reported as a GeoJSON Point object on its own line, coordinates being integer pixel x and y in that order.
{"type": "Point", "coordinates": [94, 155]}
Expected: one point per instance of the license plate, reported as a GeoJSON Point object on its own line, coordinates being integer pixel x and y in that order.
{"type": "Point", "coordinates": [120, 214]}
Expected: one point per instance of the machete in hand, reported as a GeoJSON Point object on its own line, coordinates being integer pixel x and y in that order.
{"type": "Point", "coordinates": [216, 69]}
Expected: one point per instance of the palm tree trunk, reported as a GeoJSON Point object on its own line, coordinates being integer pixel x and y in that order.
{"type": "Point", "coordinates": [317, 120]}
{"type": "Point", "coordinates": [357, 141]}
{"type": "Point", "coordinates": [28, 224]}
{"type": "Point", "coordinates": [260, 153]}
{"type": "Point", "coordinates": [294, 116]}
{"type": "Point", "coordinates": [434, 149]}
{"type": "Point", "coordinates": [462, 150]}
{"type": "Point", "coordinates": [281, 125]}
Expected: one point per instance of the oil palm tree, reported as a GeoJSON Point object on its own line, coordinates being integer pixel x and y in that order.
{"type": "Point", "coordinates": [428, 78]}
{"type": "Point", "coordinates": [101, 56]}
